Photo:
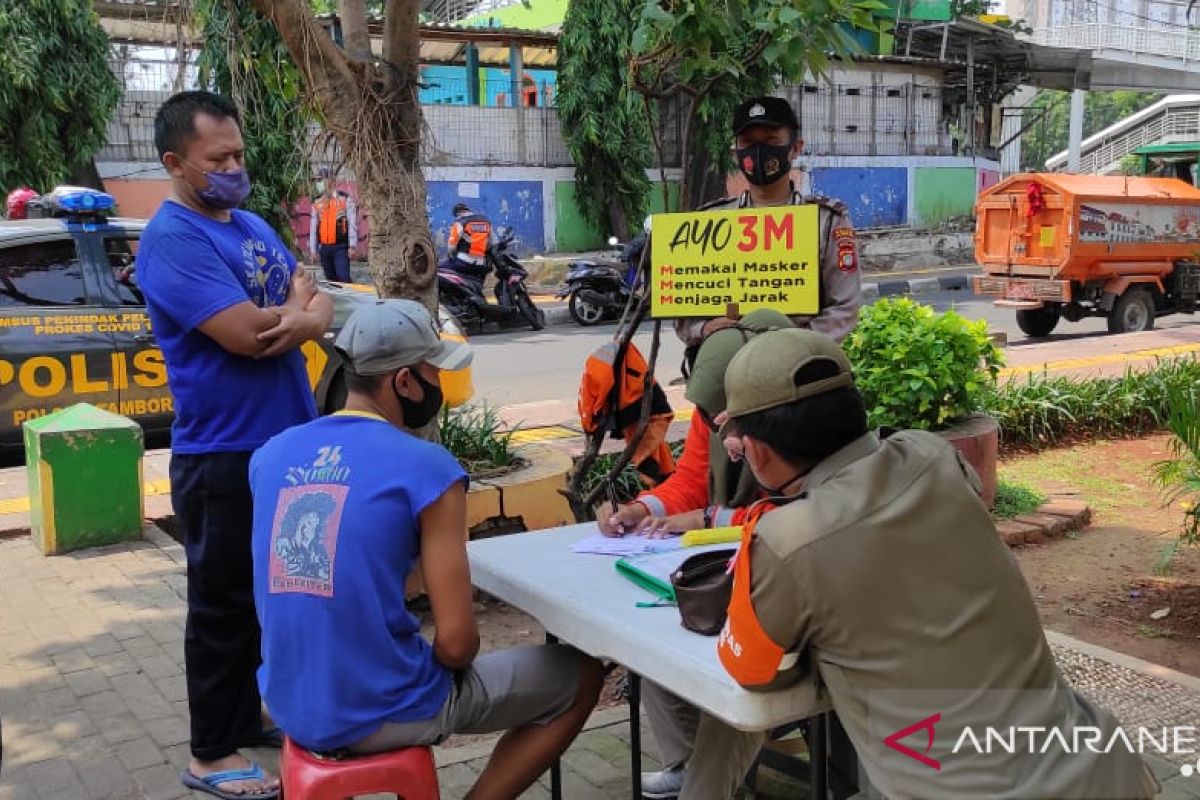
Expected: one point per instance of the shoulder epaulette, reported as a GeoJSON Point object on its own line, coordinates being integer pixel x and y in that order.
{"type": "Point", "coordinates": [834, 205]}
{"type": "Point", "coordinates": [718, 202]}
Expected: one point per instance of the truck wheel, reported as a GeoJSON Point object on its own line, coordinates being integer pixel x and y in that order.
{"type": "Point", "coordinates": [1037, 322]}
{"type": "Point", "coordinates": [1133, 311]}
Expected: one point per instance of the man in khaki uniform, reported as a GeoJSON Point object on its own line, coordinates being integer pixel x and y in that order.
{"type": "Point", "coordinates": [766, 141]}
{"type": "Point", "coordinates": [880, 565]}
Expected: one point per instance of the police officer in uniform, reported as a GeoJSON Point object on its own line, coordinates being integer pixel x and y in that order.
{"type": "Point", "coordinates": [877, 565]}
{"type": "Point", "coordinates": [766, 141]}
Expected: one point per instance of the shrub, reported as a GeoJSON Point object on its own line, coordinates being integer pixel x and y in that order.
{"type": "Point", "coordinates": [921, 369]}
{"type": "Point", "coordinates": [1042, 410]}
{"type": "Point", "coordinates": [1179, 476]}
{"type": "Point", "coordinates": [476, 436]}
{"type": "Point", "coordinates": [1015, 499]}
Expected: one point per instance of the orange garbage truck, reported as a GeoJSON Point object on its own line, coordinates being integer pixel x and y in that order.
{"type": "Point", "coordinates": [1055, 246]}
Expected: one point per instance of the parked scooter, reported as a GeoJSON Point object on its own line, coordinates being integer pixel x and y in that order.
{"type": "Point", "coordinates": [599, 289]}
{"type": "Point", "coordinates": [464, 297]}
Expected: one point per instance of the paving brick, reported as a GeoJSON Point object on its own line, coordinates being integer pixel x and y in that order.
{"type": "Point", "coordinates": [596, 770]}
{"type": "Point", "coordinates": [461, 776]}
{"type": "Point", "coordinates": [105, 777]}
{"type": "Point", "coordinates": [73, 724]}
{"type": "Point", "coordinates": [50, 777]}
{"type": "Point", "coordinates": [1076, 511]}
{"type": "Point", "coordinates": [116, 664]}
{"type": "Point", "coordinates": [103, 645]}
{"type": "Point", "coordinates": [169, 731]}
{"type": "Point", "coordinates": [1053, 527]}
{"type": "Point", "coordinates": [161, 782]}
{"type": "Point", "coordinates": [140, 753]}
{"type": "Point", "coordinates": [87, 683]}
{"type": "Point", "coordinates": [57, 701]}
{"type": "Point", "coordinates": [142, 646]}
{"type": "Point", "coordinates": [103, 704]}
{"type": "Point", "coordinates": [152, 706]}
{"type": "Point", "coordinates": [1014, 533]}
{"type": "Point", "coordinates": [174, 688]}
{"type": "Point", "coordinates": [73, 660]}
{"type": "Point", "coordinates": [121, 728]}
{"type": "Point", "coordinates": [159, 666]}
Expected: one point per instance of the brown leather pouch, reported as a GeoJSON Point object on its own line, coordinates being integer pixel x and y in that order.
{"type": "Point", "coordinates": [703, 585]}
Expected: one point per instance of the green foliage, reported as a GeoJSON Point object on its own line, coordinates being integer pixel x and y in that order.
{"type": "Point", "coordinates": [628, 483]}
{"type": "Point", "coordinates": [1131, 165]}
{"type": "Point", "coordinates": [920, 369]}
{"type": "Point", "coordinates": [478, 438]}
{"type": "Point", "coordinates": [244, 57]}
{"type": "Point", "coordinates": [57, 92]}
{"type": "Point", "coordinates": [604, 123]}
{"type": "Point", "coordinates": [1179, 476]}
{"type": "Point", "coordinates": [1043, 410]}
{"type": "Point", "coordinates": [714, 53]}
{"type": "Point", "coordinates": [1049, 135]}
{"type": "Point", "coordinates": [1014, 499]}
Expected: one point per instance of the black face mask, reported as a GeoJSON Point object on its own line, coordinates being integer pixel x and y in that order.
{"type": "Point", "coordinates": [763, 164]}
{"type": "Point", "coordinates": [418, 414]}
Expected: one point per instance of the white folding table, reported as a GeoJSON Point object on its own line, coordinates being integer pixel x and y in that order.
{"type": "Point", "coordinates": [582, 600]}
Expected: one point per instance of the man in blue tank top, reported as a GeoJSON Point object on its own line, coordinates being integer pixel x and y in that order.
{"type": "Point", "coordinates": [343, 507]}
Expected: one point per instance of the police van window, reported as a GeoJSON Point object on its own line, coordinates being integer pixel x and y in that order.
{"type": "Point", "coordinates": [121, 252]}
{"type": "Point", "coordinates": [41, 274]}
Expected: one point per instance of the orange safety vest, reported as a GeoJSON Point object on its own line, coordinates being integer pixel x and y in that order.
{"type": "Point", "coordinates": [333, 227]}
{"type": "Point", "coordinates": [470, 236]}
{"type": "Point", "coordinates": [746, 651]}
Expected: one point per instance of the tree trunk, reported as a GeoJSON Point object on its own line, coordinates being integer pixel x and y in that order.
{"type": "Point", "coordinates": [618, 225]}
{"type": "Point", "coordinates": [372, 108]}
{"type": "Point", "coordinates": [86, 174]}
{"type": "Point", "coordinates": [353, 15]}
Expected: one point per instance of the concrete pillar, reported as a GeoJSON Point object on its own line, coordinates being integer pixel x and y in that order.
{"type": "Point", "coordinates": [1075, 134]}
{"type": "Point", "coordinates": [514, 68]}
{"type": "Point", "coordinates": [472, 62]}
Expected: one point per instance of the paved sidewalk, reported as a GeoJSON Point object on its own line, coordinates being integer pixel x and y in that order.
{"type": "Point", "coordinates": [93, 699]}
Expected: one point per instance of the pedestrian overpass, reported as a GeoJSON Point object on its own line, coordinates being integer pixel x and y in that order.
{"type": "Point", "coordinates": [1174, 119]}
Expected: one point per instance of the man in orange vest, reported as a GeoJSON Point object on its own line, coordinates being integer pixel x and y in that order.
{"type": "Point", "coordinates": [470, 236]}
{"type": "Point", "coordinates": [333, 231]}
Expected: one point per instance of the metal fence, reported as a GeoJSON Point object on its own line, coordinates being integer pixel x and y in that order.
{"type": "Point", "coordinates": [865, 119]}
{"type": "Point", "coordinates": [870, 119]}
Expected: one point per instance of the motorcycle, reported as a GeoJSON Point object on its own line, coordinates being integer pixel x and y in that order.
{"type": "Point", "coordinates": [464, 298]}
{"type": "Point", "coordinates": [599, 289]}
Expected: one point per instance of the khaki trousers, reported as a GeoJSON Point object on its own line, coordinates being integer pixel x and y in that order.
{"type": "Point", "coordinates": [717, 756]}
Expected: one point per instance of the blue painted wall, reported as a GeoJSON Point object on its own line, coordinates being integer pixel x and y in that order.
{"type": "Point", "coordinates": [877, 196]}
{"type": "Point", "coordinates": [447, 85]}
{"type": "Point", "coordinates": [515, 203]}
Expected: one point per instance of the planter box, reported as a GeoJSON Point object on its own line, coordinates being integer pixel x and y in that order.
{"type": "Point", "coordinates": [978, 439]}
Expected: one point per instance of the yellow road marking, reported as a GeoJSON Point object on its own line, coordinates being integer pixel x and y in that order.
{"type": "Point", "coordinates": [549, 433]}
{"type": "Point", "coordinates": [17, 505]}
{"type": "Point", "coordinates": [1095, 361]}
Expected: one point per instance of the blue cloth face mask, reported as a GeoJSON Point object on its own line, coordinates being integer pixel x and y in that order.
{"type": "Point", "coordinates": [226, 190]}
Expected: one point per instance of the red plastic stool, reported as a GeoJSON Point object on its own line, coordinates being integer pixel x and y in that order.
{"type": "Point", "coordinates": [409, 773]}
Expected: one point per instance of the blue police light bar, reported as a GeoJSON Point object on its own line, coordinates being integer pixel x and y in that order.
{"type": "Point", "coordinates": [80, 200]}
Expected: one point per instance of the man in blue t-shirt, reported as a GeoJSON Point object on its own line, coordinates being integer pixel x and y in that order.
{"type": "Point", "coordinates": [229, 309]}
{"type": "Point", "coordinates": [343, 507]}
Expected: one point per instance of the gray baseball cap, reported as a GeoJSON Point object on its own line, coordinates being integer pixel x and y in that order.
{"type": "Point", "coordinates": [390, 334]}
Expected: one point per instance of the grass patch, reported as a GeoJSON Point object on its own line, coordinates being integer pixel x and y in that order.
{"type": "Point", "coordinates": [1073, 467]}
{"type": "Point", "coordinates": [1014, 499]}
{"type": "Point", "coordinates": [477, 437]}
{"type": "Point", "coordinates": [1043, 410]}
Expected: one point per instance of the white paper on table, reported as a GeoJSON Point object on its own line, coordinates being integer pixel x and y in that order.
{"type": "Point", "coordinates": [629, 545]}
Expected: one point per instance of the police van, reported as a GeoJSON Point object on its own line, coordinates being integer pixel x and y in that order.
{"type": "Point", "coordinates": [74, 326]}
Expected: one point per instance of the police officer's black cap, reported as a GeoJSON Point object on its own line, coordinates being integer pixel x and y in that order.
{"type": "Point", "coordinates": [774, 112]}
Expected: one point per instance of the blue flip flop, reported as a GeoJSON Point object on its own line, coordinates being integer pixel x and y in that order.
{"type": "Point", "coordinates": [208, 784]}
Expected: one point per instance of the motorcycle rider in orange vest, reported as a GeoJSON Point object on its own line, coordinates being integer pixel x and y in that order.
{"type": "Point", "coordinates": [333, 231]}
{"type": "Point", "coordinates": [468, 242]}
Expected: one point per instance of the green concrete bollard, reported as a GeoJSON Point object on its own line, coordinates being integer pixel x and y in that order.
{"type": "Point", "coordinates": [84, 468]}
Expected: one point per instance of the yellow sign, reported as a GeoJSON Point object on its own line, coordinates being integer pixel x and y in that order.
{"type": "Point", "coordinates": [1047, 236]}
{"type": "Point", "coordinates": [703, 261]}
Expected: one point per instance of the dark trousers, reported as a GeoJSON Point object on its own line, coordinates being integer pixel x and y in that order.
{"type": "Point", "coordinates": [335, 262]}
{"type": "Point", "coordinates": [211, 496]}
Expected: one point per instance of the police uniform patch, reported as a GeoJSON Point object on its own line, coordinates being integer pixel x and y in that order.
{"type": "Point", "coordinates": [847, 249]}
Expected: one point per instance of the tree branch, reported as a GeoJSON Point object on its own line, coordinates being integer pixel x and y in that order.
{"type": "Point", "coordinates": [322, 64]}
{"type": "Point", "coordinates": [357, 42]}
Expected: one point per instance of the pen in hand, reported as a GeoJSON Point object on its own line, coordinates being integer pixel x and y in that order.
{"type": "Point", "coordinates": [612, 501]}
